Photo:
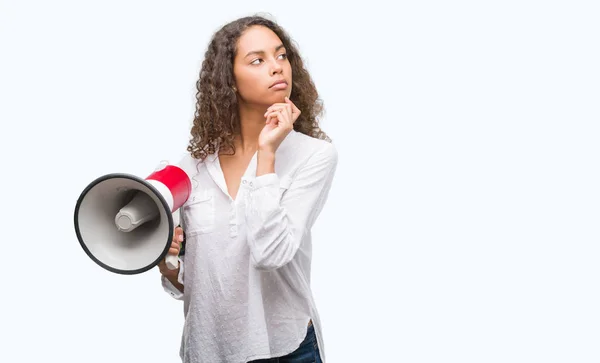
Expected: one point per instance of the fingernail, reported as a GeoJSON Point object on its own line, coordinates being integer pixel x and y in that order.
{"type": "Point", "coordinates": [180, 238]}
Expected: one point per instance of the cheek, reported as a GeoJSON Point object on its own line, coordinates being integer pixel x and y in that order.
{"type": "Point", "coordinates": [248, 82]}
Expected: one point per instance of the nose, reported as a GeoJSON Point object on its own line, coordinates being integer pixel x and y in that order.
{"type": "Point", "coordinates": [276, 68]}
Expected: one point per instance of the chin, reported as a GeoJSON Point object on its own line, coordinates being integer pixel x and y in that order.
{"type": "Point", "coordinates": [269, 98]}
{"type": "Point", "coordinates": [276, 97]}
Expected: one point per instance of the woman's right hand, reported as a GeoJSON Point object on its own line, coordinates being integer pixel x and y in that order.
{"type": "Point", "coordinates": [173, 250]}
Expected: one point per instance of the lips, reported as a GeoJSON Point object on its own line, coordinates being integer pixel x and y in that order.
{"type": "Point", "coordinates": [279, 84]}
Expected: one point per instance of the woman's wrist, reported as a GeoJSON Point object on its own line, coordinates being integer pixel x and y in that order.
{"type": "Point", "coordinates": [173, 276]}
{"type": "Point", "coordinates": [265, 162]}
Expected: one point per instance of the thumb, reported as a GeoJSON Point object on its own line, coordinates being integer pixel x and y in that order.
{"type": "Point", "coordinates": [178, 235]}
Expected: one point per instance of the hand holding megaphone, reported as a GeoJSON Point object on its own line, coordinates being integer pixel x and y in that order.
{"type": "Point", "coordinates": [166, 267]}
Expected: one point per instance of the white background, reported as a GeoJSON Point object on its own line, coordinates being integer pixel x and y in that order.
{"type": "Point", "coordinates": [464, 221]}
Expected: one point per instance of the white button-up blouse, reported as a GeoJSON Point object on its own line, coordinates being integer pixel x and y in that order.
{"type": "Point", "coordinates": [247, 263]}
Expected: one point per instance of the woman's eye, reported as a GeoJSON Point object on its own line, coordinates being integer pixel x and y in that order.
{"type": "Point", "coordinates": [257, 61]}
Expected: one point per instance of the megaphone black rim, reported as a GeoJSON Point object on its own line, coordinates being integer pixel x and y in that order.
{"type": "Point", "coordinates": [146, 184]}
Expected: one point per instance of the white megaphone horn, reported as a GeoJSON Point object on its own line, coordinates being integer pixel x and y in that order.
{"type": "Point", "coordinates": [125, 223]}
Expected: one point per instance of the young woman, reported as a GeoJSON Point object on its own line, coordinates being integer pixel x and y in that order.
{"type": "Point", "coordinates": [261, 169]}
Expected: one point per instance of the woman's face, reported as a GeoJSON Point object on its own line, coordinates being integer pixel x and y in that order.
{"type": "Point", "coordinates": [262, 72]}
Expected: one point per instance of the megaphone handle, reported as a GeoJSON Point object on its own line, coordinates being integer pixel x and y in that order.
{"type": "Point", "coordinates": [172, 262]}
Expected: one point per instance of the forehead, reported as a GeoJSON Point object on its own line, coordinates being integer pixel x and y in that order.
{"type": "Point", "coordinates": [257, 38]}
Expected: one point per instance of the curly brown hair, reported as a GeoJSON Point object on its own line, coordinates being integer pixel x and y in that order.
{"type": "Point", "coordinates": [217, 120]}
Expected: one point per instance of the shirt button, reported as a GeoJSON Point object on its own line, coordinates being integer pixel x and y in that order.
{"type": "Point", "coordinates": [243, 182]}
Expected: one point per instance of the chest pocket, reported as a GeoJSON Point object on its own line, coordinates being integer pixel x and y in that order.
{"type": "Point", "coordinates": [198, 213]}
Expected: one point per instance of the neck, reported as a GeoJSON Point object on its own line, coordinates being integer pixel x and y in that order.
{"type": "Point", "coordinates": [252, 121]}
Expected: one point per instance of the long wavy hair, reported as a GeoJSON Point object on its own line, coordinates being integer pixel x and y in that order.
{"type": "Point", "coordinates": [217, 119]}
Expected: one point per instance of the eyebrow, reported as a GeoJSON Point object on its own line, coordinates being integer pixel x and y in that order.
{"type": "Point", "coordinates": [262, 51]}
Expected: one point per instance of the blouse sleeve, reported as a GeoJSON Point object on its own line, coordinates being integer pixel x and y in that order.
{"type": "Point", "coordinates": [277, 227]}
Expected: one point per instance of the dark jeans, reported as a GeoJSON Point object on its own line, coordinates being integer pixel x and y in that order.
{"type": "Point", "coordinates": [308, 352]}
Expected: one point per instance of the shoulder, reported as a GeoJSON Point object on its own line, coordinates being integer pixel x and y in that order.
{"type": "Point", "coordinates": [189, 164]}
{"type": "Point", "coordinates": [311, 152]}
{"type": "Point", "coordinates": [311, 148]}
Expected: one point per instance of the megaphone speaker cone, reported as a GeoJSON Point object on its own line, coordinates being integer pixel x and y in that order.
{"type": "Point", "coordinates": [124, 223]}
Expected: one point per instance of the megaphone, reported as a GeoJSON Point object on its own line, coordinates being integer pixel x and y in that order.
{"type": "Point", "coordinates": [125, 223]}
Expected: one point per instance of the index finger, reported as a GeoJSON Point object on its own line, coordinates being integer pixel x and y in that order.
{"type": "Point", "coordinates": [295, 109]}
